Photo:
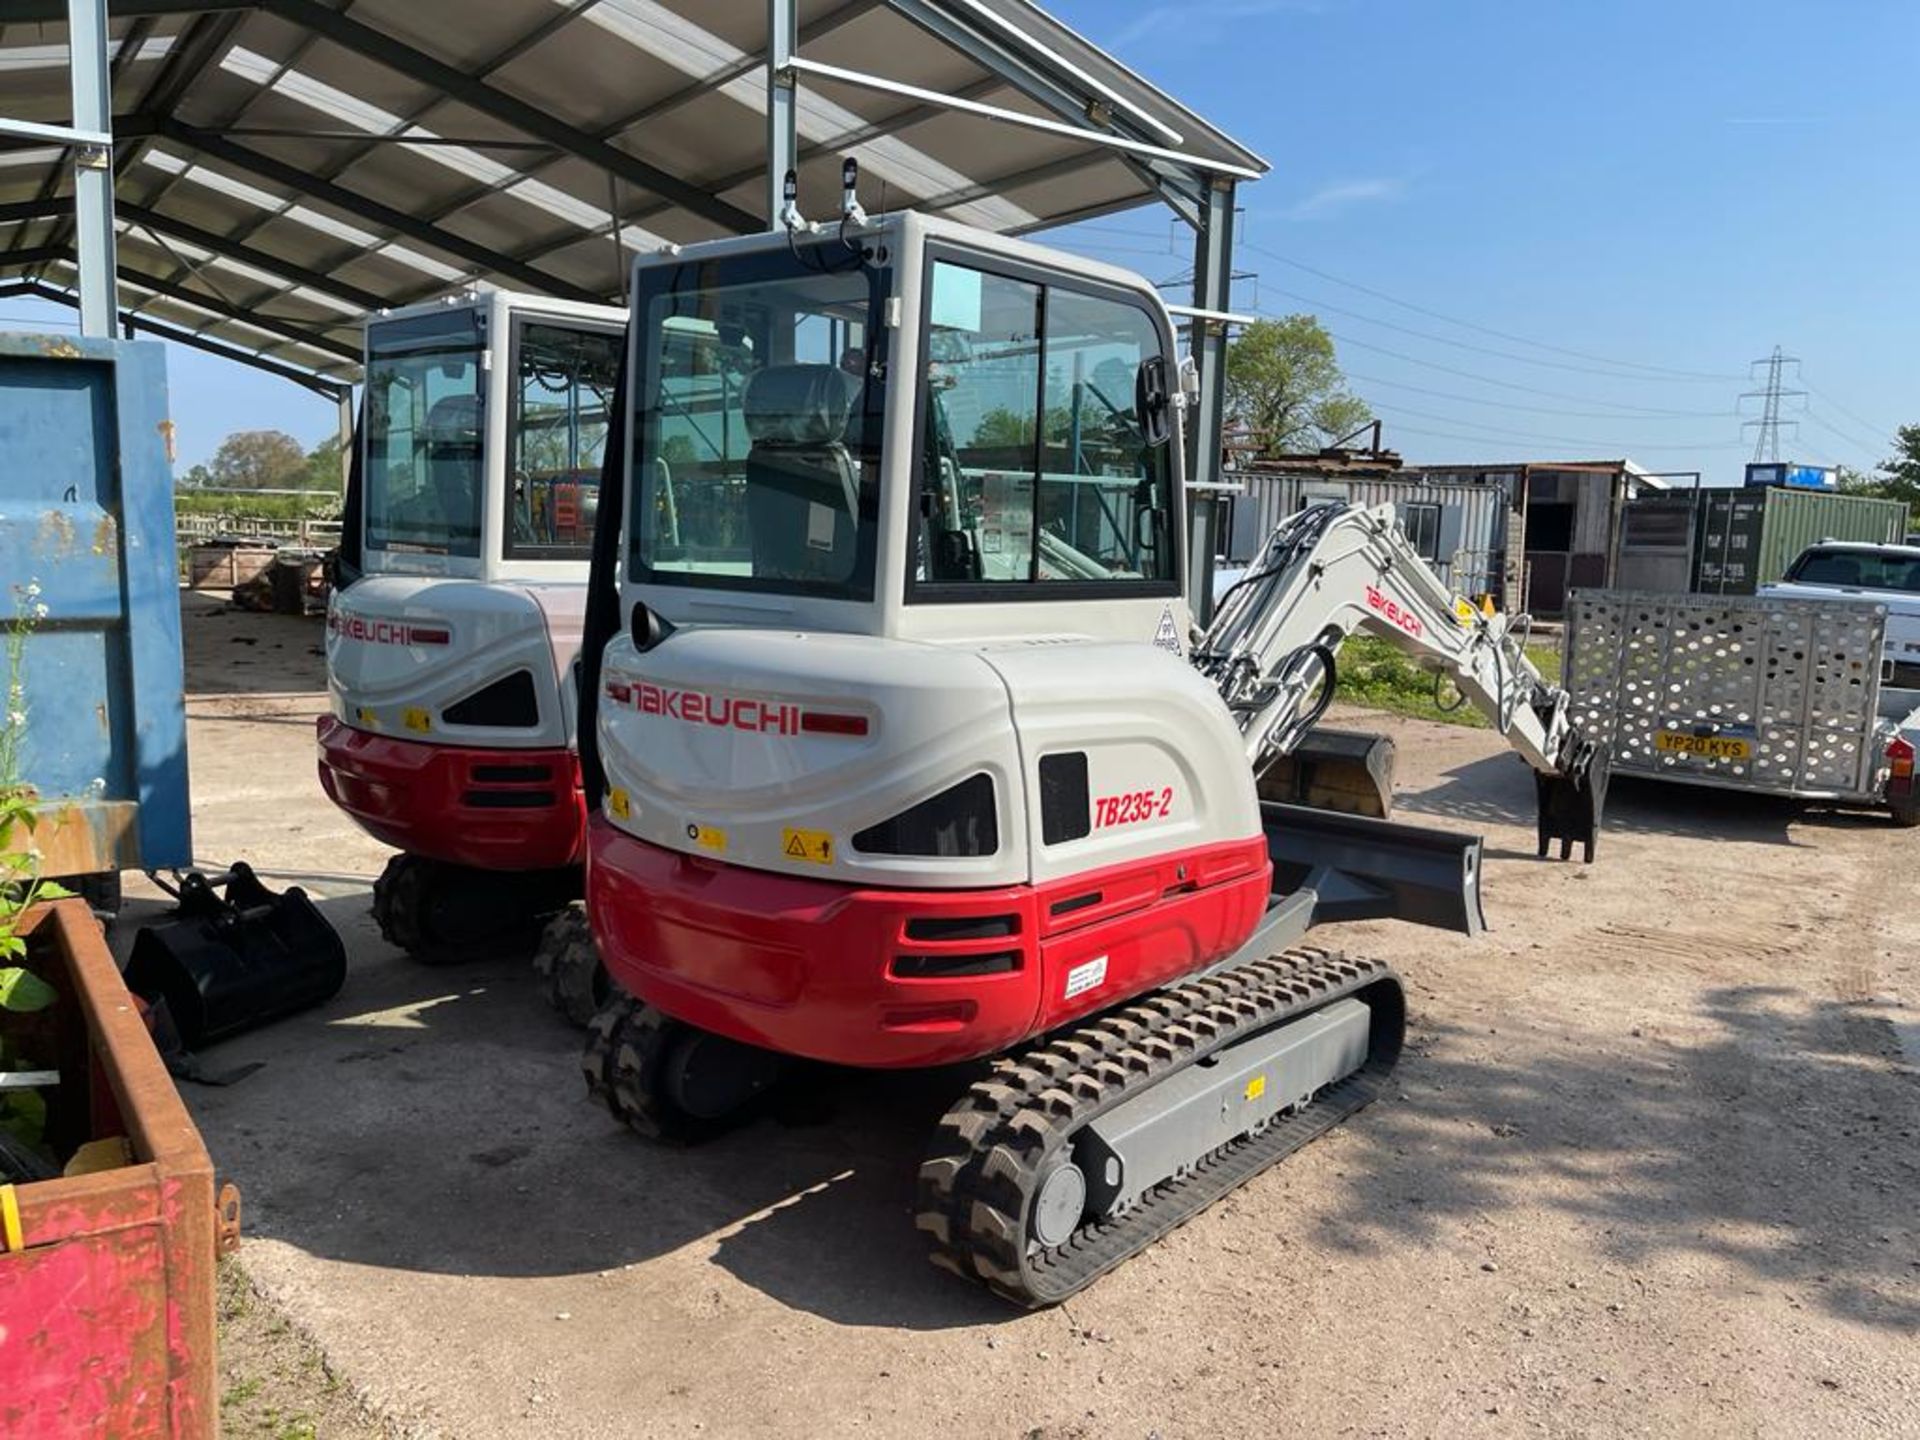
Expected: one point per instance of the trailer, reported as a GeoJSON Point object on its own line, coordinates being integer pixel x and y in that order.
{"type": "Point", "coordinates": [1775, 696]}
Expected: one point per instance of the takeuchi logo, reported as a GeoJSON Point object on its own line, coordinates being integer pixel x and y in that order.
{"type": "Point", "coordinates": [386, 632]}
{"type": "Point", "coordinates": [695, 707]}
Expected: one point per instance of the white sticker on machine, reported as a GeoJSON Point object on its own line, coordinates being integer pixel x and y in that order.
{"type": "Point", "coordinates": [819, 526]}
{"type": "Point", "coordinates": [1086, 976]}
{"type": "Point", "coordinates": [1167, 636]}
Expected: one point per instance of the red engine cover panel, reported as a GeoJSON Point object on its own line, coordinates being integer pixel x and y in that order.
{"type": "Point", "coordinates": [861, 976]}
{"type": "Point", "coordinates": [490, 809]}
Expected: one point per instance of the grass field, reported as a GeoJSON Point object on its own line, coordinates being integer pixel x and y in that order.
{"type": "Point", "coordinates": [1374, 674]}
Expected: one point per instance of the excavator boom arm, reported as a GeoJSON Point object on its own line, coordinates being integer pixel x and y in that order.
{"type": "Point", "coordinates": [1332, 570]}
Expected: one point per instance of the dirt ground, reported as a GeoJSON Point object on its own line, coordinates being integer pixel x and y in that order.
{"type": "Point", "coordinates": [1650, 1168]}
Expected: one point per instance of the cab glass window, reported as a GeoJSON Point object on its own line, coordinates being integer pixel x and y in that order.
{"type": "Point", "coordinates": [563, 384]}
{"type": "Point", "coordinates": [425, 423]}
{"type": "Point", "coordinates": [757, 426]}
{"type": "Point", "coordinates": [1033, 470]}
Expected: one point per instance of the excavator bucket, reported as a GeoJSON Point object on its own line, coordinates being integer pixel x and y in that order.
{"type": "Point", "coordinates": [1571, 804]}
{"type": "Point", "coordinates": [1347, 771]}
{"type": "Point", "coordinates": [233, 955]}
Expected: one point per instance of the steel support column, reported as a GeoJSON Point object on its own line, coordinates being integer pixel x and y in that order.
{"type": "Point", "coordinates": [92, 164]}
{"type": "Point", "coordinates": [783, 145]}
{"type": "Point", "coordinates": [1212, 290]}
{"type": "Point", "coordinates": [345, 399]}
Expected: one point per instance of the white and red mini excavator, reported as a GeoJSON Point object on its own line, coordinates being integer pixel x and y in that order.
{"type": "Point", "coordinates": [452, 635]}
{"type": "Point", "coordinates": [904, 750]}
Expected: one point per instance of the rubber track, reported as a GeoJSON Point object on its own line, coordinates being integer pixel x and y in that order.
{"type": "Point", "coordinates": [627, 1042]}
{"type": "Point", "coordinates": [569, 967]}
{"type": "Point", "coordinates": [997, 1142]}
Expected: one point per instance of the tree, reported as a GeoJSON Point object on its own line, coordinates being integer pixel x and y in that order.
{"type": "Point", "coordinates": [197, 478]}
{"type": "Point", "coordinates": [258, 460]}
{"type": "Point", "coordinates": [1895, 478]}
{"type": "Point", "coordinates": [1285, 388]}
{"type": "Point", "coordinates": [323, 466]}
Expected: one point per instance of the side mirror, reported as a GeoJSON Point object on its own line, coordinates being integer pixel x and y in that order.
{"type": "Point", "coordinates": [1151, 403]}
{"type": "Point", "coordinates": [647, 628]}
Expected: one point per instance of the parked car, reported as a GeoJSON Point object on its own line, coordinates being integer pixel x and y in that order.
{"type": "Point", "coordinates": [1887, 575]}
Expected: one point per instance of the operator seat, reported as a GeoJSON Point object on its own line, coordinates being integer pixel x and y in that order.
{"type": "Point", "coordinates": [803, 478]}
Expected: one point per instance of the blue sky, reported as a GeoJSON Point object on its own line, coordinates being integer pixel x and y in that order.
{"type": "Point", "coordinates": [1676, 184]}
{"type": "Point", "coordinates": [1665, 188]}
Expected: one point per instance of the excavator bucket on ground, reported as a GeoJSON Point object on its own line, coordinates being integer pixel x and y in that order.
{"type": "Point", "coordinates": [1347, 771]}
{"type": "Point", "coordinates": [234, 955]}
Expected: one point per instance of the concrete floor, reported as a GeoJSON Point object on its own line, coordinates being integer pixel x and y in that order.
{"type": "Point", "coordinates": [1650, 1169]}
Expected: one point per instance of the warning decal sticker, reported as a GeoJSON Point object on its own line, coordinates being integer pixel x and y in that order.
{"type": "Point", "coordinates": [1167, 636]}
{"type": "Point", "coordinates": [813, 846]}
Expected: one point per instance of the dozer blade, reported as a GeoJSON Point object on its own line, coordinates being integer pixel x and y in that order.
{"type": "Point", "coordinates": [1571, 804]}
{"type": "Point", "coordinates": [1346, 771]}
{"type": "Point", "coordinates": [1329, 867]}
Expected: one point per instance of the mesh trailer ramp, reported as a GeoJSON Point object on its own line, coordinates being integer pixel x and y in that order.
{"type": "Point", "coordinates": [1779, 697]}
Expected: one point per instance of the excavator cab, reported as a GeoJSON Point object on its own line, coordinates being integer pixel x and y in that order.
{"type": "Point", "coordinates": [451, 643]}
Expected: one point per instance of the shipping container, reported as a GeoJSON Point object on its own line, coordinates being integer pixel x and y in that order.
{"type": "Point", "coordinates": [1730, 542]}
{"type": "Point", "coordinates": [1750, 537]}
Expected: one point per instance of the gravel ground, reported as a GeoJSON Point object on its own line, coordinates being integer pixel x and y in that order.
{"type": "Point", "coordinates": [1649, 1168]}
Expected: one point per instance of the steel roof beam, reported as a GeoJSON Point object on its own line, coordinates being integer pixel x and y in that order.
{"type": "Point", "coordinates": [458, 85]}
{"type": "Point", "coordinates": [212, 304]}
{"type": "Point", "coordinates": [43, 11]}
{"type": "Point", "coordinates": [880, 129]}
{"type": "Point", "coordinates": [1069, 104]}
{"type": "Point", "coordinates": [813, 30]}
{"type": "Point", "coordinates": [303, 184]}
{"type": "Point", "coordinates": [227, 249]}
{"type": "Point", "coordinates": [307, 379]}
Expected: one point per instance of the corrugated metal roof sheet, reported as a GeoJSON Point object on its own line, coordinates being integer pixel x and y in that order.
{"type": "Point", "coordinates": [286, 165]}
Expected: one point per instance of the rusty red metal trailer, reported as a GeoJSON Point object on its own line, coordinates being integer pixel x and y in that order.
{"type": "Point", "coordinates": [107, 1279]}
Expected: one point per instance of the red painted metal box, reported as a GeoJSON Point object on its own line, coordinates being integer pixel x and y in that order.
{"type": "Point", "coordinates": [107, 1283]}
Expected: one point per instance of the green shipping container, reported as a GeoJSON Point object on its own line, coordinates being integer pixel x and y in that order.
{"type": "Point", "coordinates": [1748, 538]}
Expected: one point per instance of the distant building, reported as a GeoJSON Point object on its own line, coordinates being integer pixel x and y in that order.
{"type": "Point", "coordinates": [1459, 528]}
{"type": "Point", "coordinates": [1563, 522]}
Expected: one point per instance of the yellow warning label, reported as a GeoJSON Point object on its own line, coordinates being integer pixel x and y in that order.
{"type": "Point", "coordinates": [813, 846]}
{"type": "Point", "coordinates": [617, 803]}
{"type": "Point", "coordinates": [1463, 610]}
{"type": "Point", "coordinates": [708, 837]}
{"type": "Point", "coordinates": [1256, 1087]}
{"type": "Point", "coordinates": [415, 718]}
{"type": "Point", "coordinates": [367, 718]}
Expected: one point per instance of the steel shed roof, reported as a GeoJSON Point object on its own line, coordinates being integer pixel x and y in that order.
{"type": "Point", "coordinates": [284, 166]}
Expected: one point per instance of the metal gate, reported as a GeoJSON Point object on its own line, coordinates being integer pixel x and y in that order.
{"type": "Point", "coordinates": [1748, 694]}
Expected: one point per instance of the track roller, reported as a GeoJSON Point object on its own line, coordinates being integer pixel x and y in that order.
{"type": "Point", "coordinates": [670, 1081]}
{"type": "Point", "coordinates": [442, 914]}
{"type": "Point", "coordinates": [1083, 1150]}
{"type": "Point", "coordinates": [568, 964]}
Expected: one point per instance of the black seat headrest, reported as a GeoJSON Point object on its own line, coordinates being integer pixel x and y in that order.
{"type": "Point", "coordinates": [454, 420]}
{"type": "Point", "coordinates": [799, 404]}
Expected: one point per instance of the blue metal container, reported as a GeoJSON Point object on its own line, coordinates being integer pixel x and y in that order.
{"type": "Point", "coordinates": [1798, 477]}
{"type": "Point", "coordinates": [86, 513]}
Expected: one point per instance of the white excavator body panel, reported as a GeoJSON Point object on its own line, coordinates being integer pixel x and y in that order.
{"type": "Point", "coordinates": [455, 662]}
